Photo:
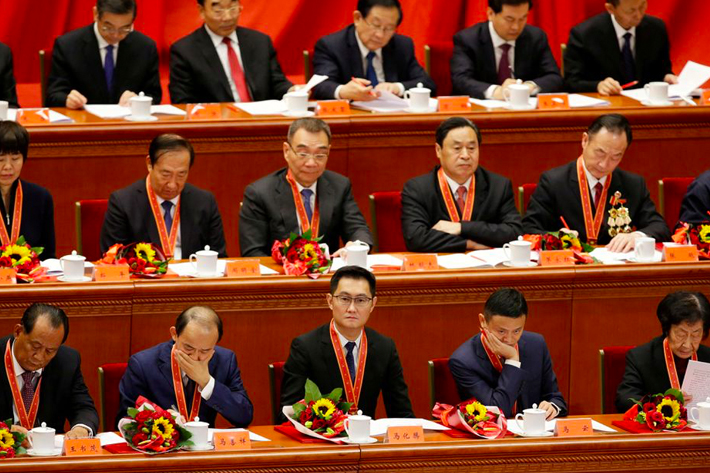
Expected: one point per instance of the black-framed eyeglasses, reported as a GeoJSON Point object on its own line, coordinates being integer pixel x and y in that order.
{"type": "Point", "coordinates": [304, 155]}
{"type": "Point", "coordinates": [345, 301]}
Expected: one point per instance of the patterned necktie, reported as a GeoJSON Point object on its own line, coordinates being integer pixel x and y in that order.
{"type": "Point", "coordinates": [504, 64]}
{"type": "Point", "coordinates": [628, 58]}
{"type": "Point", "coordinates": [28, 389]}
{"type": "Point", "coordinates": [350, 359]}
{"type": "Point", "coordinates": [371, 75]}
{"type": "Point", "coordinates": [240, 81]}
{"type": "Point", "coordinates": [109, 66]}
{"type": "Point", "coordinates": [461, 198]}
{"type": "Point", "coordinates": [597, 194]}
{"type": "Point", "coordinates": [189, 393]}
{"type": "Point", "coordinates": [167, 216]}
{"type": "Point", "coordinates": [307, 193]}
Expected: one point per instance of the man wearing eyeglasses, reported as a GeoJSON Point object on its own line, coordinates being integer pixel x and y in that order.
{"type": "Point", "coordinates": [346, 354]}
{"type": "Point", "coordinates": [223, 62]}
{"type": "Point", "coordinates": [104, 63]}
{"type": "Point", "coordinates": [301, 196]}
{"type": "Point", "coordinates": [368, 57]}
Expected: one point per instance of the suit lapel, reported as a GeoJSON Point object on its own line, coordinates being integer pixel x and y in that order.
{"type": "Point", "coordinates": [151, 226]}
{"type": "Point", "coordinates": [609, 43]}
{"type": "Point", "coordinates": [644, 37]}
{"type": "Point", "coordinates": [330, 362]}
{"type": "Point", "coordinates": [5, 392]}
{"type": "Point", "coordinates": [214, 65]}
{"type": "Point", "coordinates": [481, 193]}
{"type": "Point", "coordinates": [489, 56]}
{"type": "Point", "coordinates": [389, 62]}
{"type": "Point", "coordinates": [325, 196]}
{"type": "Point", "coordinates": [354, 54]}
{"type": "Point", "coordinates": [123, 62]}
{"type": "Point", "coordinates": [284, 197]}
{"type": "Point", "coordinates": [92, 61]}
{"type": "Point", "coordinates": [522, 56]}
{"type": "Point", "coordinates": [165, 369]}
{"type": "Point", "coordinates": [187, 225]}
{"type": "Point", "coordinates": [248, 57]}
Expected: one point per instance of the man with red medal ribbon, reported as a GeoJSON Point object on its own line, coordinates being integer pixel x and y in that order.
{"type": "Point", "coordinates": [345, 354]}
{"type": "Point", "coordinates": [586, 193]}
{"type": "Point", "coordinates": [164, 208]}
{"type": "Point", "coordinates": [661, 364]}
{"type": "Point", "coordinates": [301, 197]}
{"type": "Point", "coordinates": [42, 380]}
{"type": "Point", "coordinates": [458, 206]}
{"type": "Point", "coordinates": [503, 365]}
{"type": "Point", "coordinates": [189, 372]}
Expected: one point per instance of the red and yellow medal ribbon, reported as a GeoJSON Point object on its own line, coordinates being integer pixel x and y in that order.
{"type": "Point", "coordinates": [592, 224]}
{"type": "Point", "coordinates": [352, 393]}
{"type": "Point", "coordinates": [167, 240]}
{"type": "Point", "coordinates": [180, 391]}
{"type": "Point", "coordinates": [301, 209]}
{"type": "Point", "coordinates": [450, 202]}
{"type": "Point", "coordinates": [495, 360]}
{"type": "Point", "coordinates": [16, 220]}
{"type": "Point", "coordinates": [27, 420]}
{"type": "Point", "coordinates": [670, 364]}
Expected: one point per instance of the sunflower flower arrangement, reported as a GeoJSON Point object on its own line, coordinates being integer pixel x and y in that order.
{"type": "Point", "coordinates": [23, 259]}
{"type": "Point", "coordinates": [321, 415]}
{"type": "Point", "coordinates": [473, 417]}
{"type": "Point", "coordinates": [698, 235]}
{"type": "Point", "coordinates": [144, 260]}
{"type": "Point", "coordinates": [150, 429]}
{"type": "Point", "coordinates": [660, 411]}
{"type": "Point", "coordinates": [301, 254]}
{"type": "Point", "coordinates": [10, 442]}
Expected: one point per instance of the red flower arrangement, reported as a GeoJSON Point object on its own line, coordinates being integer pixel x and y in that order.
{"type": "Point", "coordinates": [317, 415]}
{"type": "Point", "coordinates": [660, 411]}
{"type": "Point", "coordinates": [301, 254]}
{"type": "Point", "coordinates": [473, 417]}
{"type": "Point", "coordinates": [10, 442]}
{"type": "Point", "coordinates": [698, 235]}
{"type": "Point", "coordinates": [23, 259]}
{"type": "Point", "coordinates": [150, 429]}
{"type": "Point", "coordinates": [144, 260]}
{"type": "Point", "coordinates": [562, 240]}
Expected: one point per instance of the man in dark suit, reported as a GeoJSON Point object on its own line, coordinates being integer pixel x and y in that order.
{"type": "Point", "coordinates": [104, 63]}
{"type": "Point", "coordinates": [325, 199]}
{"type": "Point", "coordinates": [504, 366]}
{"type": "Point", "coordinates": [368, 56]}
{"type": "Point", "coordinates": [575, 191]}
{"type": "Point", "coordinates": [39, 360]}
{"type": "Point", "coordinates": [616, 48]}
{"type": "Point", "coordinates": [205, 367]}
{"type": "Point", "coordinates": [696, 203]}
{"type": "Point", "coordinates": [368, 359]}
{"type": "Point", "coordinates": [134, 216]}
{"type": "Point", "coordinates": [490, 56]}
{"type": "Point", "coordinates": [220, 62]}
{"type": "Point", "coordinates": [490, 220]}
{"type": "Point", "coordinates": [8, 91]}
{"type": "Point", "coordinates": [685, 321]}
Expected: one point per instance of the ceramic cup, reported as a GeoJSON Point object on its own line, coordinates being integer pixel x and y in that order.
{"type": "Point", "coordinates": [296, 102]}
{"type": "Point", "coordinates": [73, 266]}
{"type": "Point", "coordinates": [42, 439]}
{"type": "Point", "coordinates": [518, 252]}
{"type": "Point", "coordinates": [644, 249]}
{"type": "Point", "coordinates": [358, 427]}
{"type": "Point", "coordinates": [418, 98]}
{"type": "Point", "coordinates": [140, 106]}
{"type": "Point", "coordinates": [3, 109]}
{"type": "Point", "coordinates": [533, 420]}
{"type": "Point", "coordinates": [657, 92]}
{"type": "Point", "coordinates": [204, 262]}
{"type": "Point", "coordinates": [199, 431]}
{"type": "Point", "coordinates": [356, 255]}
{"type": "Point", "coordinates": [517, 95]}
{"type": "Point", "coordinates": [701, 414]}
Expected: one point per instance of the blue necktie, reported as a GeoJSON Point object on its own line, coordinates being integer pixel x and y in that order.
{"type": "Point", "coordinates": [307, 193]}
{"type": "Point", "coordinates": [371, 75]}
{"type": "Point", "coordinates": [628, 57]}
{"type": "Point", "coordinates": [168, 206]}
{"type": "Point", "coordinates": [350, 359]}
{"type": "Point", "coordinates": [108, 68]}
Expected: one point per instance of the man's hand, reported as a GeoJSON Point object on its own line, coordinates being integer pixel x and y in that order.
{"type": "Point", "coordinates": [126, 96]}
{"type": "Point", "coordinates": [498, 92]}
{"type": "Point", "coordinates": [198, 371]}
{"type": "Point", "coordinates": [550, 410]}
{"type": "Point", "coordinates": [390, 87]}
{"type": "Point", "coordinates": [473, 246]}
{"type": "Point", "coordinates": [75, 100]}
{"type": "Point", "coordinates": [623, 242]}
{"type": "Point", "coordinates": [671, 79]}
{"type": "Point", "coordinates": [500, 348]}
{"type": "Point", "coordinates": [448, 227]}
{"type": "Point", "coordinates": [609, 86]}
{"type": "Point", "coordinates": [78, 432]}
{"type": "Point", "coordinates": [23, 431]}
{"type": "Point", "coordinates": [358, 89]}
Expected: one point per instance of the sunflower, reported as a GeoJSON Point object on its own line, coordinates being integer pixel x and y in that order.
{"type": "Point", "coordinates": [670, 409]}
{"type": "Point", "coordinates": [324, 408]}
{"type": "Point", "coordinates": [704, 233]}
{"type": "Point", "coordinates": [309, 251]}
{"type": "Point", "coordinates": [477, 411]}
{"type": "Point", "coordinates": [162, 428]}
{"type": "Point", "coordinates": [145, 251]}
{"type": "Point", "coordinates": [6, 439]}
{"type": "Point", "coordinates": [18, 254]}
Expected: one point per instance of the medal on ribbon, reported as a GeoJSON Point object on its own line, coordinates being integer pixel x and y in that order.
{"type": "Point", "coordinates": [27, 419]}
{"type": "Point", "coordinates": [592, 223]}
{"type": "Point", "coordinates": [16, 219]}
{"type": "Point", "coordinates": [352, 392]}
{"type": "Point", "coordinates": [314, 223]}
{"type": "Point", "coordinates": [167, 240]}
{"type": "Point", "coordinates": [450, 203]}
{"type": "Point", "coordinates": [619, 219]}
{"type": "Point", "coordinates": [670, 364]}
{"type": "Point", "coordinates": [180, 391]}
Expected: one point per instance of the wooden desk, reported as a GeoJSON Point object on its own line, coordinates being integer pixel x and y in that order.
{"type": "Point", "coordinates": [619, 452]}
{"type": "Point", "coordinates": [92, 157]}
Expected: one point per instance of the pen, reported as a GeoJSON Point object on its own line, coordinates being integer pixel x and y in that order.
{"type": "Point", "coordinates": [512, 72]}
{"type": "Point", "coordinates": [630, 84]}
{"type": "Point", "coordinates": [359, 81]}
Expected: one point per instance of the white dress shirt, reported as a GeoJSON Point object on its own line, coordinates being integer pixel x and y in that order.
{"type": "Point", "coordinates": [592, 181]}
{"type": "Point", "coordinates": [103, 44]}
{"type": "Point", "coordinates": [620, 32]}
{"type": "Point", "coordinates": [178, 244]}
{"type": "Point", "coordinates": [206, 393]}
{"type": "Point", "coordinates": [223, 54]}
{"type": "Point", "coordinates": [454, 186]}
{"type": "Point", "coordinates": [356, 350]}
{"type": "Point", "coordinates": [314, 188]}
{"type": "Point", "coordinates": [497, 43]}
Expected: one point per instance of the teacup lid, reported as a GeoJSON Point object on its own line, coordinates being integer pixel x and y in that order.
{"type": "Point", "coordinates": [141, 98]}
{"type": "Point", "coordinates": [420, 88]}
{"type": "Point", "coordinates": [43, 428]}
{"type": "Point", "coordinates": [359, 416]}
{"type": "Point", "coordinates": [74, 256]}
{"type": "Point", "coordinates": [196, 423]}
{"type": "Point", "coordinates": [206, 251]}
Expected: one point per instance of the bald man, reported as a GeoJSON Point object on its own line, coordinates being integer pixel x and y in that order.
{"type": "Point", "coordinates": [190, 372]}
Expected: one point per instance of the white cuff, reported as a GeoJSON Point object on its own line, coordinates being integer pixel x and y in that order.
{"type": "Point", "coordinates": [207, 391]}
{"type": "Point", "coordinates": [488, 94]}
{"type": "Point", "coordinates": [517, 364]}
{"type": "Point", "coordinates": [337, 92]}
{"type": "Point", "coordinates": [91, 432]}
{"type": "Point", "coordinates": [556, 407]}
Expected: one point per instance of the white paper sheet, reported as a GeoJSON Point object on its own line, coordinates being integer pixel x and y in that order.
{"type": "Point", "coordinates": [265, 107]}
{"type": "Point", "coordinates": [380, 426]}
{"type": "Point", "coordinates": [607, 257]}
{"type": "Point", "coordinates": [461, 261]}
{"type": "Point", "coordinates": [378, 259]}
{"type": "Point", "coordinates": [493, 104]}
{"type": "Point", "coordinates": [108, 111]}
{"type": "Point", "coordinates": [167, 110]}
{"type": "Point", "coordinates": [578, 101]}
{"type": "Point", "coordinates": [691, 77]}
{"type": "Point", "coordinates": [188, 270]}
{"type": "Point", "coordinates": [550, 426]}
{"type": "Point", "coordinates": [110, 438]}
{"type": "Point", "coordinates": [387, 102]}
{"type": "Point", "coordinates": [493, 257]}
{"type": "Point", "coordinates": [314, 81]}
{"type": "Point", "coordinates": [697, 382]}
{"type": "Point", "coordinates": [54, 117]}
{"type": "Point", "coordinates": [54, 266]}
{"type": "Point", "coordinates": [252, 436]}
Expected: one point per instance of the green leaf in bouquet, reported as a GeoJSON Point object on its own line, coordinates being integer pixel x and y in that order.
{"type": "Point", "coordinates": [184, 433]}
{"type": "Point", "coordinates": [675, 393]}
{"type": "Point", "coordinates": [21, 241]}
{"type": "Point", "coordinates": [307, 235]}
{"type": "Point", "coordinates": [335, 395]}
{"type": "Point", "coordinates": [293, 237]}
{"type": "Point", "coordinates": [37, 249]}
{"type": "Point", "coordinates": [345, 406]}
{"type": "Point", "coordinates": [641, 418]}
{"type": "Point", "coordinates": [312, 392]}
{"type": "Point", "coordinates": [20, 451]}
{"type": "Point", "coordinates": [298, 409]}
{"type": "Point", "coordinates": [132, 412]}
{"type": "Point", "coordinates": [185, 443]}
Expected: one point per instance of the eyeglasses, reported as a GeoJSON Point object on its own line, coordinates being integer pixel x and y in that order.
{"type": "Point", "coordinates": [303, 155]}
{"type": "Point", "coordinates": [383, 29]}
{"type": "Point", "coordinates": [123, 31]}
{"type": "Point", "coordinates": [360, 301]}
{"type": "Point", "coordinates": [219, 11]}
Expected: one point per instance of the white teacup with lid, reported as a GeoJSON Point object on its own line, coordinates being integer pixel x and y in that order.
{"type": "Point", "coordinates": [533, 420]}
{"type": "Point", "coordinates": [358, 427]}
{"type": "Point", "coordinates": [140, 106]}
{"type": "Point", "coordinates": [200, 433]}
{"type": "Point", "coordinates": [42, 439]}
{"type": "Point", "coordinates": [418, 98]}
{"type": "Point", "coordinates": [701, 414]}
{"type": "Point", "coordinates": [356, 254]}
{"type": "Point", "coordinates": [205, 262]}
{"type": "Point", "coordinates": [73, 266]}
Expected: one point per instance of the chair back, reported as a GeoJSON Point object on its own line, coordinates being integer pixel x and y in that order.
{"type": "Point", "coordinates": [386, 217]}
{"type": "Point", "coordinates": [524, 193]}
{"type": "Point", "coordinates": [307, 65]}
{"type": "Point", "coordinates": [563, 50]}
{"type": "Point", "coordinates": [276, 376]}
{"type": "Point", "coordinates": [437, 63]}
{"type": "Point", "coordinates": [671, 191]}
{"type": "Point", "coordinates": [612, 364]}
{"type": "Point", "coordinates": [442, 387]}
{"type": "Point", "coordinates": [109, 378]}
{"type": "Point", "coordinates": [45, 66]}
{"type": "Point", "coordinates": [89, 220]}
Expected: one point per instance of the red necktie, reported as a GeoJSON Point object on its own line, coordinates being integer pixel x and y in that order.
{"type": "Point", "coordinates": [597, 194]}
{"type": "Point", "coordinates": [504, 64]}
{"type": "Point", "coordinates": [237, 72]}
{"type": "Point", "coordinates": [28, 389]}
{"type": "Point", "coordinates": [461, 198]}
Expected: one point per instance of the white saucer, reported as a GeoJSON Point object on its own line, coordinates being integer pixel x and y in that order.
{"type": "Point", "coordinates": [299, 114]}
{"type": "Point", "coordinates": [203, 448]}
{"type": "Point", "coordinates": [547, 433]}
{"type": "Point", "coordinates": [205, 276]}
{"type": "Point", "coordinates": [360, 442]}
{"type": "Point", "coordinates": [697, 427]}
{"type": "Point", "coordinates": [429, 110]}
{"type": "Point", "coordinates": [55, 453]}
{"type": "Point", "coordinates": [149, 118]}
{"type": "Point", "coordinates": [529, 265]}
{"type": "Point", "coordinates": [527, 107]}
{"type": "Point", "coordinates": [632, 259]}
{"type": "Point", "coordinates": [83, 279]}
{"type": "Point", "coordinates": [656, 104]}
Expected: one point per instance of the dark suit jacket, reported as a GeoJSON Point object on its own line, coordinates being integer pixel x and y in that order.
{"type": "Point", "coordinates": [129, 219]}
{"type": "Point", "coordinates": [149, 375]}
{"type": "Point", "coordinates": [338, 57]}
{"type": "Point", "coordinates": [495, 220]}
{"type": "Point", "coordinates": [696, 202]}
{"type": "Point", "coordinates": [473, 64]}
{"type": "Point", "coordinates": [533, 382]}
{"type": "Point", "coordinates": [63, 395]}
{"type": "Point", "coordinates": [312, 357]}
{"type": "Point", "coordinates": [646, 372]}
{"type": "Point", "coordinates": [37, 224]}
{"type": "Point", "coordinates": [593, 53]}
{"type": "Point", "coordinates": [76, 65]}
{"type": "Point", "coordinates": [557, 194]}
{"type": "Point", "coordinates": [197, 75]}
{"type": "Point", "coordinates": [269, 213]}
{"type": "Point", "coordinates": [8, 91]}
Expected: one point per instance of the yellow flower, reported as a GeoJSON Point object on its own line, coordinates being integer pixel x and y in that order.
{"type": "Point", "coordinates": [324, 408]}
{"type": "Point", "coordinates": [162, 428]}
{"type": "Point", "coordinates": [477, 411]}
{"type": "Point", "coordinates": [670, 409]}
{"type": "Point", "coordinates": [309, 251]}
{"type": "Point", "coordinates": [569, 241]}
{"type": "Point", "coordinates": [145, 251]}
{"type": "Point", "coordinates": [6, 439]}
{"type": "Point", "coordinates": [18, 254]}
{"type": "Point", "coordinates": [704, 233]}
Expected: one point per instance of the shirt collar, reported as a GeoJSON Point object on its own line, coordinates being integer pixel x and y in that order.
{"type": "Point", "coordinates": [591, 180]}
{"type": "Point", "coordinates": [620, 31]}
{"type": "Point", "coordinates": [344, 340]}
{"type": "Point", "coordinates": [364, 51]}
{"type": "Point", "coordinates": [174, 200]}
{"type": "Point", "coordinates": [455, 185]}
{"type": "Point", "coordinates": [217, 39]}
{"type": "Point", "coordinates": [497, 40]}
{"type": "Point", "coordinates": [102, 42]}
{"type": "Point", "coordinates": [19, 370]}
{"type": "Point", "coordinates": [312, 187]}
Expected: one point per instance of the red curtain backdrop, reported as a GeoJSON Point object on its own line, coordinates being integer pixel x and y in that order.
{"type": "Point", "coordinates": [295, 25]}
